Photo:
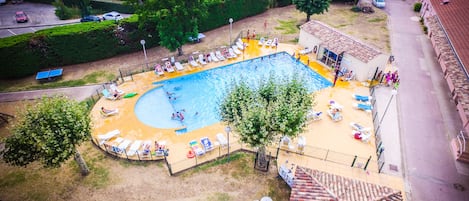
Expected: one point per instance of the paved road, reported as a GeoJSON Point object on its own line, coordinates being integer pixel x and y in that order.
{"type": "Point", "coordinates": [76, 93]}
{"type": "Point", "coordinates": [428, 119]}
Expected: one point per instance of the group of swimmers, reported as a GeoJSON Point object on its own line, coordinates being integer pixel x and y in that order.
{"type": "Point", "coordinates": [178, 115]}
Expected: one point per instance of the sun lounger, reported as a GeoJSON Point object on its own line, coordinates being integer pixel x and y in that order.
{"type": "Point", "coordinates": [201, 59]}
{"type": "Point", "coordinates": [336, 116]}
{"type": "Point", "coordinates": [192, 61]}
{"type": "Point", "coordinates": [134, 147]}
{"type": "Point", "coordinates": [108, 113]}
{"type": "Point", "coordinates": [359, 127]}
{"type": "Point", "coordinates": [232, 53]}
{"type": "Point", "coordinates": [219, 56]}
{"type": "Point", "coordinates": [285, 141]}
{"type": "Point", "coordinates": [196, 147]}
{"type": "Point", "coordinates": [240, 45]}
{"type": "Point", "coordinates": [222, 139]}
{"type": "Point", "coordinates": [108, 95]}
{"type": "Point", "coordinates": [363, 136]}
{"type": "Point", "coordinates": [114, 87]}
{"type": "Point", "coordinates": [243, 43]}
{"type": "Point", "coordinates": [362, 98]}
{"type": "Point", "coordinates": [305, 51]}
{"type": "Point", "coordinates": [261, 41]}
{"type": "Point", "coordinates": [268, 43]}
{"type": "Point", "coordinates": [103, 138]}
{"type": "Point", "coordinates": [236, 50]}
{"type": "Point", "coordinates": [168, 66]}
{"type": "Point", "coordinates": [146, 146]}
{"type": "Point", "coordinates": [313, 115]}
{"type": "Point", "coordinates": [364, 107]}
{"type": "Point", "coordinates": [123, 146]}
{"type": "Point", "coordinates": [179, 66]}
{"type": "Point", "coordinates": [208, 146]}
{"type": "Point", "coordinates": [159, 70]}
{"type": "Point", "coordinates": [274, 42]}
{"type": "Point", "coordinates": [214, 57]}
{"type": "Point", "coordinates": [115, 144]}
{"type": "Point", "coordinates": [334, 105]}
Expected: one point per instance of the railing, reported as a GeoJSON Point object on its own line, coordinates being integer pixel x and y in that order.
{"type": "Point", "coordinates": [462, 142]}
{"type": "Point", "coordinates": [377, 131]}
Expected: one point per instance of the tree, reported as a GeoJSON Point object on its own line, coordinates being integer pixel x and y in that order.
{"type": "Point", "coordinates": [176, 20]}
{"type": "Point", "coordinates": [311, 7]}
{"type": "Point", "coordinates": [49, 132]}
{"type": "Point", "coordinates": [260, 115]}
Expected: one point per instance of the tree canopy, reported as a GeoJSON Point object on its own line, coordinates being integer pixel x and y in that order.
{"type": "Point", "coordinates": [262, 114]}
{"type": "Point", "coordinates": [311, 7]}
{"type": "Point", "coordinates": [176, 20]}
{"type": "Point", "coordinates": [48, 131]}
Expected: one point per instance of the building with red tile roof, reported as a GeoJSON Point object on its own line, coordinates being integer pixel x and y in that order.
{"type": "Point", "coordinates": [448, 29]}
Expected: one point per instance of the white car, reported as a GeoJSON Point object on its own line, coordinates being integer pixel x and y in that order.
{"type": "Point", "coordinates": [379, 3]}
{"type": "Point", "coordinates": [112, 16]}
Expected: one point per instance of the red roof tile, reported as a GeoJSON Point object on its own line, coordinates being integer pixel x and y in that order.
{"type": "Point", "coordinates": [454, 17]}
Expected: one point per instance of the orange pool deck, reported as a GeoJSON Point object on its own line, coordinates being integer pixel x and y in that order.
{"type": "Point", "coordinates": [325, 133]}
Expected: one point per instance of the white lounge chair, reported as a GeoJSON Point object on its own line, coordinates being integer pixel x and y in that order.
{"type": "Point", "coordinates": [214, 58]}
{"type": "Point", "coordinates": [178, 66]}
{"type": "Point", "coordinates": [134, 147]}
{"type": "Point", "coordinates": [236, 50]}
{"type": "Point", "coordinates": [159, 70]}
{"type": "Point", "coordinates": [173, 61]}
{"type": "Point", "coordinates": [261, 41]}
{"type": "Point", "coordinates": [103, 138]}
{"type": "Point", "coordinates": [240, 45]}
{"type": "Point", "coordinates": [114, 87]}
{"type": "Point", "coordinates": [336, 116]}
{"type": "Point", "coordinates": [307, 50]}
{"type": "Point", "coordinates": [222, 139]}
{"type": "Point", "coordinates": [363, 136]}
{"type": "Point", "coordinates": [123, 146]}
{"type": "Point", "coordinates": [108, 113]}
{"type": "Point", "coordinates": [201, 59]}
{"type": "Point", "coordinates": [334, 105]}
{"type": "Point", "coordinates": [193, 62]}
{"type": "Point", "coordinates": [231, 53]}
{"type": "Point", "coordinates": [169, 67]}
{"type": "Point", "coordinates": [219, 55]}
{"type": "Point", "coordinates": [301, 144]}
{"type": "Point", "coordinates": [274, 42]}
{"type": "Point", "coordinates": [268, 43]}
{"type": "Point", "coordinates": [313, 115]}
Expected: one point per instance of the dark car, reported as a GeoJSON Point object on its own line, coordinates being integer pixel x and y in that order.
{"type": "Point", "coordinates": [21, 16]}
{"type": "Point", "coordinates": [90, 18]}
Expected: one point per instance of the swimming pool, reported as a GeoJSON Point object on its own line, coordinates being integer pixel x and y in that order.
{"type": "Point", "coordinates": [198, 95]}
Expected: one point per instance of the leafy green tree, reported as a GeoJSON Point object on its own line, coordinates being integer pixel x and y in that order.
{"type": "Point", "coordinates": [311, 7]}
{"type": "Point", "coordinates": [176, 20]}
{"type": "Point", "coordinates": [260, 115]}
{"type": "Point", "coordinates": [49, 132]}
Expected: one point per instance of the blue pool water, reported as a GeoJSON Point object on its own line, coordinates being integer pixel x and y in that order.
{"type": "Point", "coordinates": [199, 94]}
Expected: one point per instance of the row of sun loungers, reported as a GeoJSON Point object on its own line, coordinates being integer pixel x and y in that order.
{"type": "Point", "coordinates": [129, 147]}
{"type": "Point", "coordinates": [268, 43]}
{"type": "Point", "coordinates": [205, 145]}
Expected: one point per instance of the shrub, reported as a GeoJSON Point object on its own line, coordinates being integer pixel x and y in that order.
{"type": "Point", "coordinates": [63, 12]}
{"type": "Point", "coordinates": [417, 6]}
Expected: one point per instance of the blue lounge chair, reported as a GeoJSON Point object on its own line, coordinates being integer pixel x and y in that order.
{"type": "Point", "coordinates": [364, 107]}
{"type": "Point", "coordinates": [108, 95]}
{"type": "Point", "coordinates": [362, 98]}
{"type": "Point", "coordinates": [208, 146]}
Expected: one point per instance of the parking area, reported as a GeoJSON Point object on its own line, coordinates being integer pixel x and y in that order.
{"type": "Point", "coordinates": [41, 16]}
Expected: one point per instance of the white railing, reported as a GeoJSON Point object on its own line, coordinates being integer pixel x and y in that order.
{"type": "Point", "coordinates": [462, 142]}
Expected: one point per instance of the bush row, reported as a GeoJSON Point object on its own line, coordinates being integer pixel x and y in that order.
{"type": "Point", "coordinates": [26, 54]}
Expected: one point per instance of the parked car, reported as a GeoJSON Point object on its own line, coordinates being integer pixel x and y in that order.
{"type": "Point", "coordinates": [112, 16]}
{"type": "Point", "coordinates": [379, 3]}
{"type": "Point", "coordinates": [90, 18]}
{"type": "Point", "coordinates": [21, 16]}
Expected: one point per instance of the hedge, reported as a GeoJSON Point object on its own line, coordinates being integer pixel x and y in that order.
{"type": "Point", "coordinates": [26, 54]}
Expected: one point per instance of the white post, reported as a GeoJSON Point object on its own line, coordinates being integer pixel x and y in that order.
{"type": "Point", "coordinates": [144, 52]}
{"type": "Point", "coordinates": [231, 27]}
